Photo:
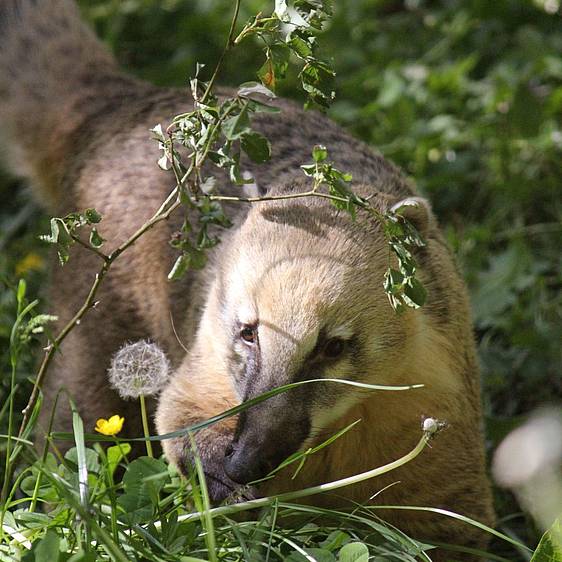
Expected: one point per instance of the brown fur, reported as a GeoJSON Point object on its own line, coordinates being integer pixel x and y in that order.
{"type": "Point", "coordinates": [78, 129]}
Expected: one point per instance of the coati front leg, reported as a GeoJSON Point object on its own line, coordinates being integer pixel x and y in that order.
{"type": "Point", "coordinates": [193, 396]}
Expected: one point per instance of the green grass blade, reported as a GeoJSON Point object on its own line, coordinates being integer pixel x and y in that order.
{"type": "Point", "coordinates": [241, 407]}
{"type": "Point", "coordinates": [78, 430]}
{"type": "Point", "coordinates": [457, 516]}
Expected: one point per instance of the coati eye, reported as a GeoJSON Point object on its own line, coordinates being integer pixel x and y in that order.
{"type": "Point", "coordinates": [334, 347]}
{"type": "Point", "coordinates": [249, 334]}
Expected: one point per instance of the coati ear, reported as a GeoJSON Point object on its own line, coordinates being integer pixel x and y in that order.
{"type": "Point", "coordinates": [416, 210]}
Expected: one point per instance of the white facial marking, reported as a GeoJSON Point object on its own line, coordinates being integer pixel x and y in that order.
{"type": "Point", "coordinates": [343, 332]}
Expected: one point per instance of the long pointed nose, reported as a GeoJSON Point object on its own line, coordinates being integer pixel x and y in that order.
{"type": "Point", "coordinates": [247, 464]}
{"type": "Point", "coordinates": [266, 435]}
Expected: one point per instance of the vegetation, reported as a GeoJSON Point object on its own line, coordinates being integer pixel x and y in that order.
{"type": "Point", "coordinates": [467, 98]}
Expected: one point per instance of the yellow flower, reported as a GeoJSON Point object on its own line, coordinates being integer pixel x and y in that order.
{"type": "Point", "coordinates": [112, 426]}
{"type": "Point", "coordinates": [31, 262]}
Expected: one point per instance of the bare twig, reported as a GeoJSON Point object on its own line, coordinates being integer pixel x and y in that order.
{"type": "Point", "coordinates": [311, 193]}
{"type": "Point", "coordinates": [227, 47]}
{"type": "Point", "coordinates": [78, 240]}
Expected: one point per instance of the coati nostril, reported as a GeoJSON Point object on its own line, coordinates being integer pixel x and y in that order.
{"type": "Point", "coordinates": [229, 451]}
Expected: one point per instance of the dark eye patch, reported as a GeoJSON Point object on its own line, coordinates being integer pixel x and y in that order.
{"type": "Point", "coordinates": [334, 347]}
{"type": "Point", "coordinates": [330, 348]}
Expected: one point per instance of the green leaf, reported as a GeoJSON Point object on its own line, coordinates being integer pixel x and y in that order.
{"type": "Point", "coordinates": [275, 66]}
{"type": "Point", "coordinates": [208, 185]}
{"type": "Point", "coordinates": [92, 216]}
{"type": "Point", "coordinates": [354, 552]}
{"type": "Point", "coordinates": [95, 238]}
{"type": "Point", "coordinates": [78, 430]}
{"type": "Point", "coordinates": [301, 47]}
{"type": "Point", "coordinates": [259, 107]}
{"type": "Point", "coordinates": [334, 540]}
{"type": "Point", "coordinates": [237, 126]}
{"type": "Point", "coordinates": [179, 268]}
{"type": "Point", "coordinates": [281, 10]}
{"type": "Point", "coordinates": [415, 292]}
{"type": "Point", "coordinates": [251, 90]}
{"type": "Point", "coordinates": [91, 459]}
{"type": "Point", "coordinates": [393, 281]}
{"type": "Point", "coordinates": [54, 236]}
{"type": "Point", "coordinates": [164, 162]}
{"type": "Point", "coordinates": [60, 236]}
{"type": "Point", "coordinates": [266, 74]}
{"type": "Point", "coordinates": [319, 153]}
{"type": "Point", "coordinates": [198, 258]}
{"type": "Point", "coordinates": [20, 295]}
{"type": "Point", "coordinates": [115, 455]}
{"type": "Point", "coordinates": [309, 169]}
{"type": "Point", "coordinates": [317, 80]}
{"type": "Point", "coordinates": [550, 545]}
{"type": "Point", "coordinates": [256, 146]}
{"type": "Point", "coordinates": [143, 481]}
{"type": "Point", "coordinates": [47, 549]}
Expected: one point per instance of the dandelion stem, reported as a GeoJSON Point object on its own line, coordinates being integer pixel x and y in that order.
{"type": "Point", "coordinates": [145, 426]}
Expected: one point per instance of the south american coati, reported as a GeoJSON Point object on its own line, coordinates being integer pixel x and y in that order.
{"type": "Point", "coordinates": [294, 290]}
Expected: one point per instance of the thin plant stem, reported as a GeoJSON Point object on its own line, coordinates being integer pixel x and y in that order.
{"type": "Point", "coordinates": [310, 193]}
{"type": "Point", "coordinates": [81, 242]}
{"type": "Point", "coordinates": [22, 311]}
{"type": "Point", "coordinates": [145, 425]}
{"type": "Point", "coordinates": [46, 445]}
{"type": "Point", "coordinates": [8, 467]}
{"type": "Point", "coordinates": [227, 47]}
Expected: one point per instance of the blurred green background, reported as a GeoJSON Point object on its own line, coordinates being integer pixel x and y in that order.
{"type": "Point", "coordinates": [466, 96]}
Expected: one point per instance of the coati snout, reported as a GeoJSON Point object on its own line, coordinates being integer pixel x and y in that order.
{"type": "Point", "coordinates": [267, 434]}
{"type": "Point", "coordinates": [309, 307]}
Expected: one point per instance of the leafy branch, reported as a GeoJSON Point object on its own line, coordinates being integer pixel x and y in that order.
{"type": "Point", "coordinates": [166, 209]}
{"type": "Point", "coordinates": [217, 132]}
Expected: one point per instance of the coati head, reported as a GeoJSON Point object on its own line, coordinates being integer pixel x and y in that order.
{"type": "Point", "coordinates": [298, 294]}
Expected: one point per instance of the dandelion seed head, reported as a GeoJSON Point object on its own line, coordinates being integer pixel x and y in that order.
{"type": "Point", "coordinates": [139, 368]}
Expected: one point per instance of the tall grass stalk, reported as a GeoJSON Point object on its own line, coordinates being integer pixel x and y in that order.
{"type": "Point", "coordinates": [22, 311]}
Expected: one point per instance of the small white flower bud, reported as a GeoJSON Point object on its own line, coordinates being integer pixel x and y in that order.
{"type": "Point", "coordinates": [139, 368]}
{"type": "Point", "coordinates": [430, 425]}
